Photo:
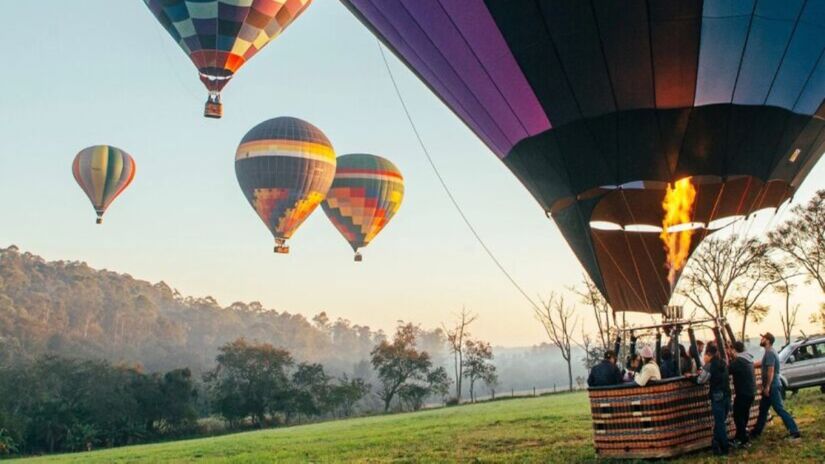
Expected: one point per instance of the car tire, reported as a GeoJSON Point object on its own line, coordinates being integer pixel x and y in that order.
{"type": "Point", "coordinates": [822, 388]}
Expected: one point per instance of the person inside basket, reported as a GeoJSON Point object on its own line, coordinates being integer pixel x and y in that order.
{"type": "Point", "coordinates": [650, 370]}
{"type": "Point", "coordinates": [606, 373]}
{"type": "Point", "coordinates": [715, 373]}
{"type": "Point", "coordinates": [633, 367]}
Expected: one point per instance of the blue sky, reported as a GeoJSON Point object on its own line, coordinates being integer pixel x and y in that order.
{"type": "Point", "coordinates": [105, 72]}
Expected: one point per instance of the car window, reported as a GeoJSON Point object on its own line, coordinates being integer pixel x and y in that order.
{"type": "Point", "coordinates": [803, 353]}
{"type": "Point", "coordinates": [818, 350]}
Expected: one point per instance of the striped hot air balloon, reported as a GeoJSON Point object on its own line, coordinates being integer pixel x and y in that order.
{"type": "Point", "coordinates": [285, 167]}
{"type": "Point", "coordinates": [103, 172]}
{"type": "Point", "coordinates": [219, 36]}
{"type": "Point", "coordinates": [365, 195]}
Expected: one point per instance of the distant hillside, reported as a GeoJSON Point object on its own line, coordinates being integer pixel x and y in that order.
{"type": "Point", "coordinates": [68, 308]}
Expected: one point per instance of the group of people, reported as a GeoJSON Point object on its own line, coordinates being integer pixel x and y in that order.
{"type": "Point", "coordinates": [716, 370]}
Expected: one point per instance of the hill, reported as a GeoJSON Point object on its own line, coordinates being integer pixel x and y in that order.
{"type": "Point", "coordinates": [69, 309]}
{"type": "Point", "coordinates": [552, 428]}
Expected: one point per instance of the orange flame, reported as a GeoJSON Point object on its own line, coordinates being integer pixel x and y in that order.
{"type": "Point", "coordinates": [678, 207]}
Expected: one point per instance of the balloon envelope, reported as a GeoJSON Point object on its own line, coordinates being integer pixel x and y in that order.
{"type": "Point", "coordinates": [285, 167]}
{"type": "Point", "coordinates": [366, 193]}
{"type": "Point", "coordinates": [103, 172]}
{"type": "Point", "coordinates": [596, 106]}
{"type": "Point", "coordinates": [219, 36]}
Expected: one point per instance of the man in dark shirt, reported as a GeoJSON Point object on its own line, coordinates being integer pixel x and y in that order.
{"type": "Point", "coordinates": [715, 373]}
{"type": "Point", "coordinates": [771, 394]}
{"type": "Point", "coordinates": [744, 384]}
{"type": "Point", "coordinates": [605, 373]}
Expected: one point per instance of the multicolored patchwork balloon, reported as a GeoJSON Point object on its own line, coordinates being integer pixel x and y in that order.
{"type": "Point", "coordinates": [221, 35]}
{"type": "Point", "coordinates": [365, 195]}
{"type": "Point", "coordinates": [285, 167]}
{"type": "Point", "coordinates": [103, 172]}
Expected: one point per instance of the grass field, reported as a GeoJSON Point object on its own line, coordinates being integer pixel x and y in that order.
{"type": "Point", "coordinates": [544, 429]}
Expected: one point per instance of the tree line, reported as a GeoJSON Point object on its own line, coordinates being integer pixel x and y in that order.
{"type": "Point", "coordinates": [57, 404]}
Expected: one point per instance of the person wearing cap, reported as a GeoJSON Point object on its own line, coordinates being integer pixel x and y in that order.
{"type": "Point", "coordinates": [771, 394]}
{"type": "Point", "coordinates": [650, 370]}
{"type": "Point", "coordinates": [744, 384]}
{"type": "Point", "coordinates": [715, 373]}
{"type": "Point", "coordinates": [605, 373]}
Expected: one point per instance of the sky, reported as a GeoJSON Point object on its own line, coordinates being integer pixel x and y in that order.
{"type": "Point", "coordinates": [105, 72]}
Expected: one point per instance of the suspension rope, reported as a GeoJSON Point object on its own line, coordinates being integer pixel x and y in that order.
{"type": "Point", "coordinates": [447, 190]}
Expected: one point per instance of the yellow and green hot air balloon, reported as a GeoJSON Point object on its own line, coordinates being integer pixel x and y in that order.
{"type": "Point", "coordinates": [365, 195]}
{"type": "Point", "coordinates": [284, 167]}
{"type": "Point", "coordinates": [103, 172]}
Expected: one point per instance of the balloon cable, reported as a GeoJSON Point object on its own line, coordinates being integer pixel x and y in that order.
{"type": "Point", "coordinates": [447, 189]}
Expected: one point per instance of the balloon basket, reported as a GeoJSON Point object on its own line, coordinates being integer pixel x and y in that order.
{"type": "Point", "coordinates": [213, 109]}
{"type": "Point", "coordinates": [99, 220]}
{"type": "Point", "coordinates": [358, 258]}
{"type": "Point", "coordinates": [281, 249]}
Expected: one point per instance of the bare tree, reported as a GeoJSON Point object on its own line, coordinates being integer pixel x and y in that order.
{"type": "Point", "coordinates": [717, 270]}
{"type": "Point", "coordinates": [455, 341]}
{"type": "Point", "coordinates": [590, 295]}
{"type": "Point", "coordinates": [762, 275]}
{"type": "Point", "coordinates": [817, 317]}
{"type": "Point", "coordinates": [559, 322]}
{"type": "Point", "coordinates": [783, 286]}
{"type": "Point", "coordinates": [802, 238]}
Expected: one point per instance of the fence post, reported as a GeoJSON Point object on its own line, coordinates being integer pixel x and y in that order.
{"type": "Point", "coordinates": [494, 394]}
{"type": "Point", "coordinates": [534, 391]}
{"type": "Point", "coordinates": [554, 388]}
{"type": "Point", "coordinates": [512, 392]}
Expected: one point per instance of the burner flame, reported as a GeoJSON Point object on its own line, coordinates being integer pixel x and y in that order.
{"type": "Point", "coordinates": [678, 208]}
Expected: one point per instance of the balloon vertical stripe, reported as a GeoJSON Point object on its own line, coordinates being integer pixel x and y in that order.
{"type": "Point", "coordinates": [103, 172]}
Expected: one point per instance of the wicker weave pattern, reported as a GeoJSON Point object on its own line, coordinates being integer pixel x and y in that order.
{"type": "Point", "coordinates": [656, 421]}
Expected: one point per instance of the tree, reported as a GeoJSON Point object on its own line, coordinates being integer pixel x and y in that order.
{"type": "Point", "coordinates": [590, 295]}
{"type": "Point", "coordinates": [477, 365]}
{"type": "Point", "coordinates": [250, 380]}
{"type": "Point", "coordinates": [802, 239]}
{"type": "Point", "coordinates": [347, 393]}
{"type": "Point", "coordinates": [720, 267]}
{"type": "Point", "coordinates": [455, 341]}
{"type": "Point", "coordinates": [310, 393]}
{"type": "Point", "coordinates": [817, 317]}
{"type": "Point", "coordinates": [400, 365]}
{"type": "Point", "coordinates": [558, 321]}
{"type": "Point", "coordinates": [784, 287]}
{"type": "Point", "coordinates": [437, 383]}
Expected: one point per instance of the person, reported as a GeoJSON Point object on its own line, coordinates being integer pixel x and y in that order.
{"type": "Point", "coordinates": [605, 373]}
{"type": "Point", "coordinates": [668, 368]}
{"type": "Point", "coordinates": [633, 367]}
{"type": "Point", "coordinates": [700, 348]}
{"type": "Point", "coordinates": [686, 363]}
{"type": "Point", "coordinates": [715, 373]}
{"type": "Point", "coordinates": [771, 394]}
{"type": "Point", "coordinates": [744, 385]}
{"type": "Point", "coordinates": [650, 370]}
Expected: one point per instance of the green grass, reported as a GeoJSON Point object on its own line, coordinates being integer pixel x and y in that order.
{"type": "Point", "coordinates": [545, 429]}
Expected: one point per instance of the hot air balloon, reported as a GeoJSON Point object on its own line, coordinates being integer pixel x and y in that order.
{"type": "Point", "coordinates": [598, 107]}
{"type": "Point", "coordinates": [219, 36]}
{"type": "Point", "coordinates": [366, 193]}
{"type": "Point", "coordinates": [285, 167]}
{"type": "Point", "coordinates": [103, 172]}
